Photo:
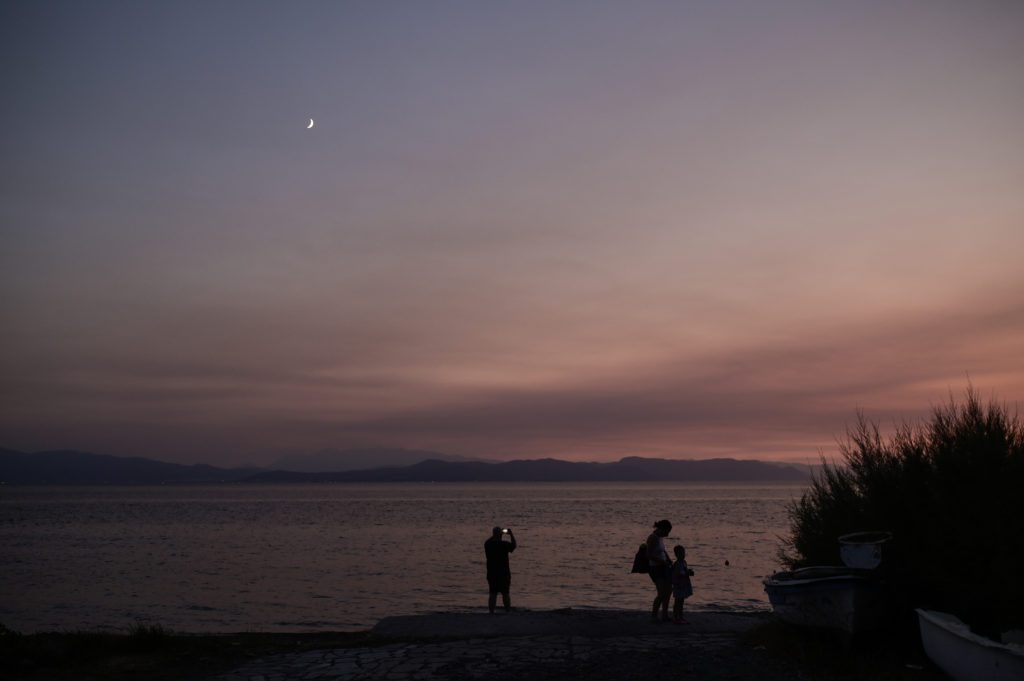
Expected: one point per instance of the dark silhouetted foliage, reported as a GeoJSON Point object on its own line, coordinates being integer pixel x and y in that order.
{"type": "Point", "coordinates": [952, 492]}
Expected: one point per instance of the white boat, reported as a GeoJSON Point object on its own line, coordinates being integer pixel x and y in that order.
{"type": "Point", "coordinates": [863, 549]}
{"type": "Point", "coordinates": [832, 597]}
{"type": "Point", "coordinates": [965, 656]}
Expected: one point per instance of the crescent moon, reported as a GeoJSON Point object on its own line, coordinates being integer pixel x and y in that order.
{"type": "Point", "coordinates": [310, 124]}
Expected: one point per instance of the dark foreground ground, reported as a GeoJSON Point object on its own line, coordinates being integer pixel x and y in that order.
{"type": "Point", "coordinates": [539, 646]}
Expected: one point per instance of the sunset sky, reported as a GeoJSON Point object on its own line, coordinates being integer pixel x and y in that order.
{"type": "Point", "coordinates": [584, 229]}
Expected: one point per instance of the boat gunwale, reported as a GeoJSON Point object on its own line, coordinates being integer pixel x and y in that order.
{"type": "Point", "coordinates": [952, 624]}
{"type": "Point", "coordinates": [842, 573]}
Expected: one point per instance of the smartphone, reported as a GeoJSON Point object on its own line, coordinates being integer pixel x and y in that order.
{"type": "Point", "coordinates": [505, 531]}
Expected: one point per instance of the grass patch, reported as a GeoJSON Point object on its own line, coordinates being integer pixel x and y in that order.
{"type": "Point", "coordinates": [148, 635]}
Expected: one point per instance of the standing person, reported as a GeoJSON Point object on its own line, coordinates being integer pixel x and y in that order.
{"type": "Point", "coordinates": [499, 575]}
{"type": "Point", "coordinates": [682, 588]}
{"type": "Point", "coordinates": [659, 563]}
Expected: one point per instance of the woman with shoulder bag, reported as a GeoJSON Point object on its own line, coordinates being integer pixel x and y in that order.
{"type": "Point", "coordinates": [659, 562]}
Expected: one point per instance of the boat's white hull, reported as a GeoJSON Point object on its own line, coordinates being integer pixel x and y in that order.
{"type": "Point", "coordinates": [863, 550]}
{"type": "Point", "coordinates": [965, 656]}
{"type": "Point", "coordinates": [832, 598]}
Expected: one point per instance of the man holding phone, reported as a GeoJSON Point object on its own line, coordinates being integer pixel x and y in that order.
{"type": "Point", "coordinates": [499, 575]}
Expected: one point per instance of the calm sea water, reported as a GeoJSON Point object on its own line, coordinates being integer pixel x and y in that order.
{"type": "Point", "coordinates": [339, 557]}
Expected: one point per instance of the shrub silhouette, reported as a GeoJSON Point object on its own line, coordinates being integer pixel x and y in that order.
{"type": "Point", "coordinates": [952, 492]}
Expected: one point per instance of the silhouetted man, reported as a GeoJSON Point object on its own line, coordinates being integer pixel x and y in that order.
{"type": "Point", "coordinates": [499, 575]}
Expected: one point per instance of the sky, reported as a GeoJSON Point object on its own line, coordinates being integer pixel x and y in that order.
{"type": "Point", "coordinates": [583, 230]}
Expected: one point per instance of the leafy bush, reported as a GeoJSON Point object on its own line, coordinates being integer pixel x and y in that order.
{"type": "Point", "coordinates": [951, 490]}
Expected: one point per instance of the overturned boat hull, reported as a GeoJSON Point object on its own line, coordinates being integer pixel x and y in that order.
{"type": "Point", "coordinates": [965, 656]}
{"type": "Point", "coordinates": [828, 597]}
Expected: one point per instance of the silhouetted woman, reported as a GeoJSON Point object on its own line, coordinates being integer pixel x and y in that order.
{"type": "Point", "coordinates": [659, 562]}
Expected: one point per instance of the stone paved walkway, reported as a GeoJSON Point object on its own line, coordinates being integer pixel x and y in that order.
{"type": "Point", "coordinates": [538, 646]}
{"type": "Point", "coordinates": [477, 658]}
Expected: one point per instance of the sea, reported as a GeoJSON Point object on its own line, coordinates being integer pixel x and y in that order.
{"type": "Point", "coordinates": [339, 557]}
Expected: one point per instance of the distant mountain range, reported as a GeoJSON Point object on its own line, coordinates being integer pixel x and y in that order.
{"type": "Point", "coordinates": [82, 468]}
{"type": "Point", "coordinates": [336, 460]}
{"type": "Point", "coordinates": [67, 467]}
{"type": "Point", "coordinates": [630, 469]}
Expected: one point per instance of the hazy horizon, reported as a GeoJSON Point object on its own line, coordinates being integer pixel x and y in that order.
{"type": "Point", "coordinates": [361, 459]}
{"type": "Point", "coordinates": [582, 230]}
